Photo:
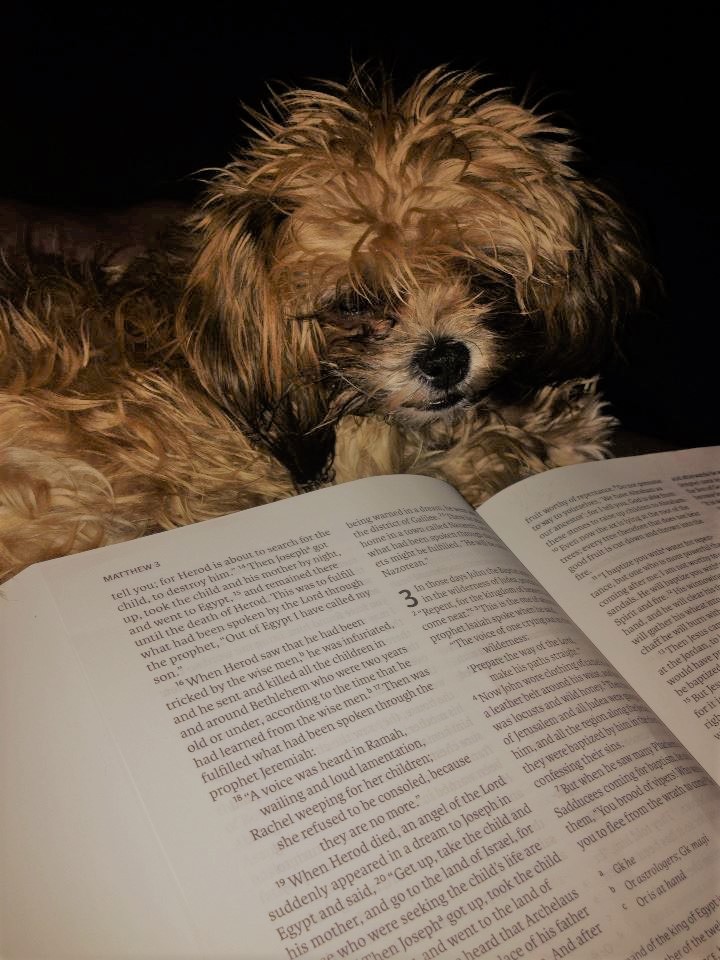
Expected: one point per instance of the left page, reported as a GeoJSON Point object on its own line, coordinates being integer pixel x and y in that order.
{"type": "Point", "coordinates": [82, 872]}
{"type": "Point", "coordinates": [336, 760]}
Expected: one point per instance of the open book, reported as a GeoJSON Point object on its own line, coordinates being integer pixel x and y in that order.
{"type": "Point", "coordinates": [370, 722]}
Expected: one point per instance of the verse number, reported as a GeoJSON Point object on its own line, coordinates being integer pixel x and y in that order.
{"type": "Point", "coordinates": [410, 600]}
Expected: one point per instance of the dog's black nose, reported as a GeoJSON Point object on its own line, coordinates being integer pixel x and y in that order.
{"type": "Point", "coordinates": [445, 362]}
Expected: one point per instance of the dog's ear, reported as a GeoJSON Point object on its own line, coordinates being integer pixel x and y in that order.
{"type": "Point", "coordinates": [568, 248]}
{"type": "Point", "coordinates": [578, 303]}
{"type": "Point", "coordinates": [261, 366]}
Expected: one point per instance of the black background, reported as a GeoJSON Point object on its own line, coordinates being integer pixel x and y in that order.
{"type": "Point", "coordinates": [119, 104]}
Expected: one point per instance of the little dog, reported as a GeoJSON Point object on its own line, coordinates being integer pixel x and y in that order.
{"type": "Point", "coordinates": [376, 285]}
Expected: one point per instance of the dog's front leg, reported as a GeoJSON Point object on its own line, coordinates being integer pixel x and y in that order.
{"type": "Point", "coordinates": [558, 426]}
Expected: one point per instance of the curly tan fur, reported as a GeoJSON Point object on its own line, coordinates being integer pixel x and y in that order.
{"type": "Point", "coordinates": [376, 285]}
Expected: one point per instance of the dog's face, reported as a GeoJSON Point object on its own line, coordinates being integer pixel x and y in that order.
{"type": "Point", "coordinates": [406, 257]}
{"type": "Point", "coordinates": [417, 356]}
{"type": "Point", "coordinates": [408, 332]}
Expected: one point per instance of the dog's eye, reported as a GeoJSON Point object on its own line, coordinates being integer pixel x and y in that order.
{"type": "Point", "coordinates": [488, 291]}
{"type": "Point", "coordinates": [354, 305]}
{"type": "Point", "coordinates": [359, 317]}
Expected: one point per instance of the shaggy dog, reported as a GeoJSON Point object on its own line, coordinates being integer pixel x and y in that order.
{"type": "Point", "coordinates": [376, 285]}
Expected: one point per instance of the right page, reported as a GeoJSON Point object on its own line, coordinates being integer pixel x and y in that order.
{"type": "Point", "coordinates": [630, 549]}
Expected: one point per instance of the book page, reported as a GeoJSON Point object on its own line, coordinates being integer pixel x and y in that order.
{"type": "Point", "coordinates": [631, 549]}
{"type": "Point", "coordinates": [82, 871]}
{"type": "Point", "coordinates": [359, 728]}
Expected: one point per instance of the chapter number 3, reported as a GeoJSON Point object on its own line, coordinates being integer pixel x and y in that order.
{"type": "Point", "coordinates": [410, 600]}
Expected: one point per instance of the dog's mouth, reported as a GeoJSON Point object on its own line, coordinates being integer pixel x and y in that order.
{"type": "Point", "coordinates": [444, 403]}
{"type": "Point", "coordinates": [448, 401]}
